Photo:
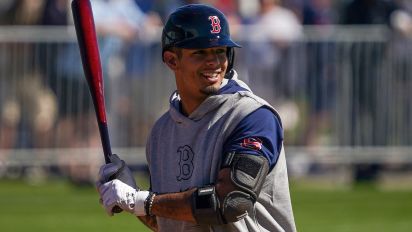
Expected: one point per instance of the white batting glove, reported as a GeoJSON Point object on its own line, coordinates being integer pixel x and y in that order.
{"type": "Point", "coordinates": [116, 193]}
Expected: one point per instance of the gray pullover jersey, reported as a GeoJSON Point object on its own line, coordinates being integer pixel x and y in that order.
{"type": "Point", "coordinates": [186, 152]}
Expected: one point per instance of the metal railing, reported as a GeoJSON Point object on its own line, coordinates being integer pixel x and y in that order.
{"type": "Point", "coordinates": [336, 88]}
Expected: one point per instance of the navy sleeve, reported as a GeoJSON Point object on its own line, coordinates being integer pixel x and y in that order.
{"type": "Point", "coordinates": [259, 133]}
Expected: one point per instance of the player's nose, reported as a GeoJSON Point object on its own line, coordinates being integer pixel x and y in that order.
{"type": "Point", "coordinates": [213, 60]}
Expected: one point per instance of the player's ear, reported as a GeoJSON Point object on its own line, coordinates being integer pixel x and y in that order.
{"type": "Point", "coordinates": [170, 59]}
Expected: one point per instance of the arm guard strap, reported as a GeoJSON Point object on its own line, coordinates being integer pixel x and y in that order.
{"type": "Point", "coordinates": [247, 173]}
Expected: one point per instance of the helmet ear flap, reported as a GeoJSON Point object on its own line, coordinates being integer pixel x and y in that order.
{"type": "Point", "coordinates": [230, 53]}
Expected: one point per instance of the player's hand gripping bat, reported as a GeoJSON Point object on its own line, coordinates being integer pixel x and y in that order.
{"type": "Point", "coordinates": [89, 51]}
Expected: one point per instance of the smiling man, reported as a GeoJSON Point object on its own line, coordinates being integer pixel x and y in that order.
{"type": "Point", "coordinates": [216, 158]}
{"type": "Point", "coordinates": [199, 73]}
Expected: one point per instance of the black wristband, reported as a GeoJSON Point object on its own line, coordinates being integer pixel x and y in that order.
{"type": "Point", "coordinates": [151, 204]}
{"type": "Point", "coordinates": [148, 203]}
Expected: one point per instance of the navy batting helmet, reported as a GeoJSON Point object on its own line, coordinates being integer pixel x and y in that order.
{"type": "Point", "coordinates": [198, 26]}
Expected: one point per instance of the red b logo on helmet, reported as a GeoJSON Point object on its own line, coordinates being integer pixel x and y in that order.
{"type": "Point", "coordinates": [215, 24]}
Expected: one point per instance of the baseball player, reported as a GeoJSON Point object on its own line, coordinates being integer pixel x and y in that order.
{"type": "Point", "coordinates": [216, 158]}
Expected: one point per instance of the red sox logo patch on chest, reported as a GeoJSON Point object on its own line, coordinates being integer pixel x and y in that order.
{"type": "Point", "coordinates": [186, 166]}
{"type": "Point", "coordinates": [252, 143]}
{"type": "Point", "coordinates": [215, 22]}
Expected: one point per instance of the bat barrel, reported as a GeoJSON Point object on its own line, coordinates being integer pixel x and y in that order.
{"type": "Point", "coordinates": [89, 51]}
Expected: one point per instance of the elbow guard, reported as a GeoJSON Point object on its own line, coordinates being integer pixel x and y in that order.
{"type": "Point", "coordinates": [247, 173]}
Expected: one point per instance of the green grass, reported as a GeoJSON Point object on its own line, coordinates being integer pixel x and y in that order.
{"type": "Point", "coordinates": [359, 209]}
{"type": "Point", "coordinates": [59, 206]}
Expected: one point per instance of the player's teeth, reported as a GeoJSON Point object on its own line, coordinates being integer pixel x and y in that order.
{"type": "Point", "coordinates": [210, 74]}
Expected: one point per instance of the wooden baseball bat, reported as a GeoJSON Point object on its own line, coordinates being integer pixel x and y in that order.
{"type": "Point", "coordinates": [89, 51]}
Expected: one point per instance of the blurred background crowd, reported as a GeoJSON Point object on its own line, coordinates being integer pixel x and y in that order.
{"type": "Point", "coordinates": [339, 72]}
{"type": "Point", "coordinates": [307, 12]}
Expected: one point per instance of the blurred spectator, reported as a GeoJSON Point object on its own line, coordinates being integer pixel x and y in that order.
{"type": "Point", "coordinates": [401, 47]}
{"type": "Point", "coordinates": [61, 64]}
{"type": "Point", "coordinates": [401, 18]}
{"type": "Point", "coordinates": [248, 10]}
{"type": "Point", "coordinates": [125, 33]}
{"type": "Point", "coordinates": [10, 118]}
{"type": "Point", "coordinates": [120, 24]}
{"type": "Point", "coordinates": [319, 12]}
{"type": "Point", "coordinates": [314, 12]}
{"type": "Point", "coordinates": [320, 73]}
{"type": "Point", "coordinates": [5, 6]}
{"type": "Point", "coordinates": [31, 102]}
{"type": "Point", "coordinates": [55, 12]}
{"type": "Point", "coordinates": [296, 6]}
{"type": "Point", "coordinates": [28, 114]}
{"type": "Point", "coordinates": [368, 12]}
{"type": "Point", "coordinates": [272, 35]}
{"type": "Point", "coordinates": [38, 110]}
{"type": "Point", "coordinates": [367, 64]}
{"type": "Point", "coordinates": [25, 12]}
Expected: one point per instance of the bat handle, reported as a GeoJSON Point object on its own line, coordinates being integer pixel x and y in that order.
{"type": "Point", "coordinates": [104, 136]}
{"type": "Point", "coordinates": [107, 150]}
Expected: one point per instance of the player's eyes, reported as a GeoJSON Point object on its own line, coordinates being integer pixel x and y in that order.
{"type": "Point", "coordinates": [199, 52]}
{"type": "Point", "coordinates": [206, 52]}
{"type": "Point", "coordinates": [199, 55]}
